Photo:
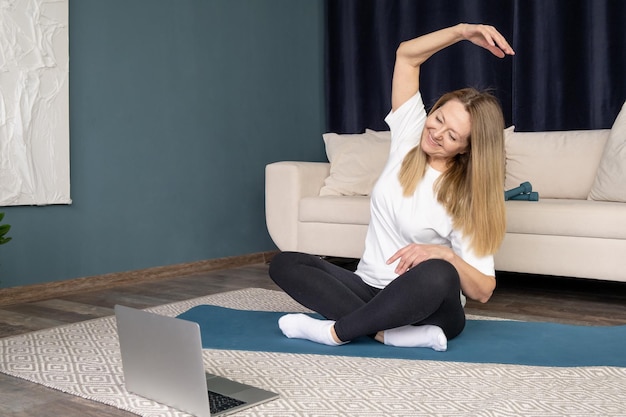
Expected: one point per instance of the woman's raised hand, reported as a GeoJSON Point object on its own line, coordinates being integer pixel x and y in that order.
{"type": "Point", "coordinates": [487, 37]}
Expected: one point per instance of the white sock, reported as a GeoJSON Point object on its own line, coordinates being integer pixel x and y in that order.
{"type": "Point", "coordinates": [417, 336]}
{"type": "Point", "coordinates": [301, 326]}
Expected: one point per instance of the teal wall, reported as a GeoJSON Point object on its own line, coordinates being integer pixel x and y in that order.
{"type": "Point", "coordinates": [176, 106]}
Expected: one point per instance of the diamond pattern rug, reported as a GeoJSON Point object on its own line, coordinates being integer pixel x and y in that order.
{"type": "Point", "coordinates": [83, 359]}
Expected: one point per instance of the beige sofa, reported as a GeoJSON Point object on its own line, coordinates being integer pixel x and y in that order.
{"type": "Point", "coordinates": [576, 229]}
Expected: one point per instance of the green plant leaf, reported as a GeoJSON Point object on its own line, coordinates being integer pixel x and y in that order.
{"type": "Point", "coordinates": [4, 229]}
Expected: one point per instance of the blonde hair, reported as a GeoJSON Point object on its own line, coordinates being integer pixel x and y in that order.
{"type": "Point", "coordinates": [472, 187]}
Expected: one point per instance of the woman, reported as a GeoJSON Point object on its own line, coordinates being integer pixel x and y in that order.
{"type": "Point", "coordinates": [437, 217]}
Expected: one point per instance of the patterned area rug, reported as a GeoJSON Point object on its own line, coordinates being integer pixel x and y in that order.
{"type": "Point", "coordinates": [83, 359]}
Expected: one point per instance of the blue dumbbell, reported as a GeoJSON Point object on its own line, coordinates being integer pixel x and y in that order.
{"type": "Point", "coordinates": [523, 188]}
{"type": "Point", "coordinates": [532, 196]}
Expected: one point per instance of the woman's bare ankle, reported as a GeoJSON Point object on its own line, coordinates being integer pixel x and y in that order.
{"type": "Point", "coordinates": [334, 335]}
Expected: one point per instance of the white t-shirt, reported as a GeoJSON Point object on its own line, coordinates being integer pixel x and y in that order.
{"type": "Point", "coordinates": [396, 220]}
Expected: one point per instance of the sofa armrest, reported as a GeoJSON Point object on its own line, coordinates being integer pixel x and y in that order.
{"type": "Point", "coordinates": [286, 183]}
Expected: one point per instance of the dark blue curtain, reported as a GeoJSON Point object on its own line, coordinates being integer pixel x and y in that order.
{"type": "Point", "coordinates": [570, 68]}
{"type": "Point", "coordinates": [568, 72]}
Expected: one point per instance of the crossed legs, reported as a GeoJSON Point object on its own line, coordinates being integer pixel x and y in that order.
{"type": "Point", "coordinates": [419, 308]}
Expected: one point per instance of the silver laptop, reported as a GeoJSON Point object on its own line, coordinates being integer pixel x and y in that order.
{"type": "Point", "coordinates": [162, 361]}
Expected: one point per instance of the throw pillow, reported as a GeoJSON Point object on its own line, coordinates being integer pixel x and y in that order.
{"type": "Point", "coordinates": [610, 182]}
{"type": "Point", "coordinates": [558, 164]}
{"type": "Point", "coordinates": [356, 162]}
{"type": "Point", "coordinates": [382, 134]}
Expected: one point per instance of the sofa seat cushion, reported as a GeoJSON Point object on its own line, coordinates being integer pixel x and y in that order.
{"type": "Point", "coordinates": [565, 217]}
{"type": "Point", "coordinates": [335, 209]}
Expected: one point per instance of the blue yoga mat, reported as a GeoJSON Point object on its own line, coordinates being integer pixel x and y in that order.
{"type": "Point", "coordinates": [482, 341]}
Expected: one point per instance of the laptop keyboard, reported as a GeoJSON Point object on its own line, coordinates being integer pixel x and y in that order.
{"type": "Point", "coordinates": [219, 402]}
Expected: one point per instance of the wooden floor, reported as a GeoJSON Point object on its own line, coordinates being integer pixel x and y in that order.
{"type": "Point", "coordinates": [517, 297]}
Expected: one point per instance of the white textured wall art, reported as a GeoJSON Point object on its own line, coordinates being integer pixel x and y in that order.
{"type": "Point", "coordinates": [34, 102]}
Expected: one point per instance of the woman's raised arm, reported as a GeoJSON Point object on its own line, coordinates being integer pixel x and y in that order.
{"type": "Point", "coordinates": [411, 54]}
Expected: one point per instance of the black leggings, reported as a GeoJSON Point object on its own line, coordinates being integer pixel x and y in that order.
{"type": "Point", "coordinates": [428, 293]}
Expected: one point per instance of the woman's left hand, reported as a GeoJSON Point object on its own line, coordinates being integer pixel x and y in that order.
{"type": "Point", "coordinates": [487, 37]}
{"type": "Point", "coordinates": [413, 254]}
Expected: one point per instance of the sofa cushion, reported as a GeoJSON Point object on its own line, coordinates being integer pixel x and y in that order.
{"type": "Point", "coordinates": [580, 218]}
{"type": "Point", "coordinates": [335, 209]}
{"type": "Point", "coordinates": [610, 182]}
{"type": "Point", "coordinates": [557, 164]}
{"type": "Point", "coordinates": [356, 162]}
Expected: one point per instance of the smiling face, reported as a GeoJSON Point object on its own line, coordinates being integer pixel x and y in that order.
{"type": "Point", "coordinates": [446, 134]}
